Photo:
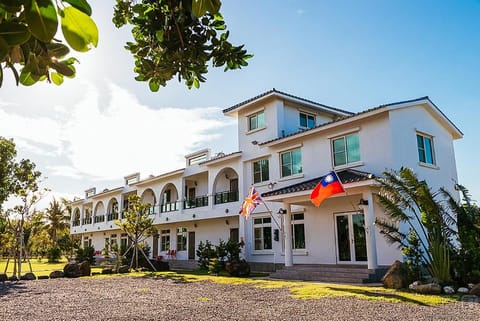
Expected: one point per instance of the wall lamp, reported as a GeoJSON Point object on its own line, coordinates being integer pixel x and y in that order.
{"type": "Point", "coordinates": [363, 202]}
{"type": "Point", "coordinates": [271, 185]}
{"type": "Point", "coordinates": [254, 142]}
{"type": "Point", "coordinates": [282, 211]}
{"type": "Point", "coordinates": [227, 222]}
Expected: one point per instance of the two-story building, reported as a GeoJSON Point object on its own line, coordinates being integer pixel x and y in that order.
{"type": "Point", "coordinates": [286, 144]}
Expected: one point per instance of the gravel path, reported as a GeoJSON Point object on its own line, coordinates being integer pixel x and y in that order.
{"type": "Point", "coordinates": [129, 298]}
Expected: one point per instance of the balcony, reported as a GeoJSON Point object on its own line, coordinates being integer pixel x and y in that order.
{"type": "Point", "coordinates": [169, 207]}
{"type": "Point", "coordinates": [226, 197]}
{"type": "Point", "coordinates": [76, 223]}
{"type": "Point", "coordinates": [112, 216]}
{"type": "Point", "coordinates": [99, 219]}
{"type": "Point", "coordinates": [87, 220]}
{"type": "Point", "coordinates": [196, 202]}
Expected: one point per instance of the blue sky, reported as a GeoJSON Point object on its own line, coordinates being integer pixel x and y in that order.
{"type": "Point", "coordinates": [102, 125]}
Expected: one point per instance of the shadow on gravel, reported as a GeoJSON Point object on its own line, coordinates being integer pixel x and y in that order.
{"type": "Point", "coordinates": [174, 278]}
{"type": "Point", "coordinates": [11, 287]}
{"type": "Point", "coordinates": [380, 295]}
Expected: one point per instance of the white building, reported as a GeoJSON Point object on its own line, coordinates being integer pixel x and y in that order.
{"type": "Point", "coordinates": [286, 145]}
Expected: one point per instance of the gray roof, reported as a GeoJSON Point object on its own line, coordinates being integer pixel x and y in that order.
{"type": "Point", "coordinates": [345, 176]}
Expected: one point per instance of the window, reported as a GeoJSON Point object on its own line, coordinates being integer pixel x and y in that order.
{"type": "Point", "coordinates": [291, 162]}
{"type": "Point", "coordinates": [197, 159]}
{"type": "Point", "coordinates": [256, 121]}
{"type": "Point", "coordinates": [346, 150]}
{"type": "Point", "coordinates": [167, 196]}
{"type": "Point", "coordinates": [113, 242]}
{"type": "Point", "coordinates": [181, 239]}
{"type": "Point", "coordinates": [307, 120]}
{"type": "Point", "coordinates": [425, 149]}
{"type": "Point", "coordinates": [165, 240]}
{"type": "Point", "coordinates": [123, 242]}
{"type": "Point", "coordinates": [87, 242]}
{"type": "Point", "coordinates": [260, 171]}
{"type": "Point", "coordinates": [298, 231]}
{"type": "Point", "coordinates": [262, 231]}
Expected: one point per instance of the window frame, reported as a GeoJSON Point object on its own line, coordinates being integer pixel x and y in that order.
{"type": "Point", "coordinates": [292, 165]}
{"type": "Point", "coordinates": [165, 240]}
{"type": "Point", "coordinates": [264, 177]}
{"type": "Point", "coordinates": [265, 237]}
{"type": "Point", "coordinates": [181, 239]}
{"type": "Point", "coordinates": [255, 117]}
{"type": "Point", "coordinates": [307, 116]}
{"type": "Point", "coordinates": [346, 152]}
{"type": "Point", "coordinates": [431, 149]}
{"type": "Point", "coordinates": [300, 222]}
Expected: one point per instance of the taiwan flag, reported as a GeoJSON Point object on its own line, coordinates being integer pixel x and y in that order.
{"type": "Point", "coordinates": [328, 186]}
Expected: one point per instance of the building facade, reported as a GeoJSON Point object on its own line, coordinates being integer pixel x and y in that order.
{"type": "Point", "coordinates": [286, 144]}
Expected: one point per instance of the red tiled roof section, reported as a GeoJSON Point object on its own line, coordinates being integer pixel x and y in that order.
{"type": "Point", "coordinates": [346, 176]}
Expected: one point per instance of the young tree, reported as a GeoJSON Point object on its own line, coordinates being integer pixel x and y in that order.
{"type": "Point", "coordinates": [138, 226]}
{"type": "Point", "coordinates": [172, 38]}
{"type": "Point", "coordinates": [58, 219]}
{"type": "Point", "coordinates": [408, 200]}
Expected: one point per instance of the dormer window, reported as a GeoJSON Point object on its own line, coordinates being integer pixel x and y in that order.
{"type": "Point", "coordinates": [132, 179]}
{"type": "Point", "coordinates": [256, 121]}
{"type": "Point", "coordinates": [307, 121]}
{"type": "Point", "coordinates": [197, 159]}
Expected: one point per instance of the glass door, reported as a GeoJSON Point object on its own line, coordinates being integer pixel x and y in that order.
{"type": "Point", "coordinates": [350, 238]}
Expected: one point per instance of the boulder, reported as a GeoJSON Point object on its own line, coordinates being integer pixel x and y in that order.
{"type": "Point", "coordinates": [71, 270]}
{"type": "Point", "coordinates": [43, 277]}
{"type": "Point", "coordinates": [84, 268]}
{"type": "Point", "coordinates": [241, 268]}
{"type": "Point", "coordinates": [448, 289]}
{"type": "Point", "coordinates": [475, 290]}
{"type": "Point", "coordinates": [107, 271]}
{"type": "Point", "coordinates": [123, 269]}
{"type": "Point", "coordinates": [13, 278]}
{"type": "Point", "coordinates": [29, 276]}
{"type": "Point", "coordinates": [56, 275]}
{"type": "Point", "coordinates": [3, 277]}
{"type": "Point", "coordinates": [462, 290]}
{"type": "Point", "coordinates": [396, 276]}
{"type": "Point", "coordinates": [430, 288]}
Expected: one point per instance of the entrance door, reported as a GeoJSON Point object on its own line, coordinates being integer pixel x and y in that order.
{"type": "Point", "coordinates": [350, 238]}
{"type": "Point", "coordinates": [191, 245]}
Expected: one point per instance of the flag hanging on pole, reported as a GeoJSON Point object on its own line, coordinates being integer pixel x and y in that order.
{"type": "Point", "coordinates": [328, 186]}
{"type": "Point", "coordinates": [250, 203]}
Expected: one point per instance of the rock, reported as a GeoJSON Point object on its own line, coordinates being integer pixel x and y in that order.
{"type": "Point", "coordinates": [462, 290]}
{"type": "Point", "coordinates": [71, 270]}
{"type": "Point", "coordinates": [430, 288]}
{"type": "Point", "coordinates": [448, 289]}
{"type": "Point", "coordinates": [470, 298]}
{"type": "Point", "coordinates": [84, 268]}
{"type": "Point", "coordinates": [241, 268]}
{"type": "Point", "coordinates": [13, 278]}
{"type": "Point", "coordinates": [475, 290]}
{"type": "Point", "coordinates": [470, 285]}
{"type": "Point", "coordinates": [414, 284]}
{"type": "Point", "coordinates": [57, 274]}
{"type": "Point", "coordinates": [3, 277]}
{"type": "Point", "coordinates": [43, 277]}
{"type": "Point", "coordinates": [123, 269]}
{"type": "Point", "coordinates": [396, 276]}
{"type": "Point", "coordinates": [107, 271]}
{"type": "Point", "coordinates": [29, 276]}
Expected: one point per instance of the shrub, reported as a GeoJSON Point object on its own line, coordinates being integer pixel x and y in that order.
{"type": "Point", "coordinates": [54, 254]}
{"type": "Point", "coordinates": [86, 254]}
{"type": "Point", "coordinates": [205, 253]}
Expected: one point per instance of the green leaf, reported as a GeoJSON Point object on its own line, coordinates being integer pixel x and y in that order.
{"type": "Point", "coordinates": [14, 33]}
{"type": "Point", "coordinates": [27, 78]}
{"type": "Point", "coordinates": [201, 7]}
{"type": "Point", "coordinates": [154, 85]}
{"type": "Point", "coordinates": [42, 19]}
{"type": "Point", "coordinates": [159, 35]}
{"type": "Point", "coordinates": [57, 50]}
{"type": "Point", "coordinates": [63, 68]}
{"type": "Point", "coordinates": [79, 30]}
{"type": "Point", "coordinates": [81, 5]}
{"type": "Point", "coordinates": [4, 48]}
{"type": "Point", "coordinates": [56, 78]}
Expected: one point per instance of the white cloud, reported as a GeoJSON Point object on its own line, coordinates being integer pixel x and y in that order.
{"type": "Point", "coordinates": [107, 142]}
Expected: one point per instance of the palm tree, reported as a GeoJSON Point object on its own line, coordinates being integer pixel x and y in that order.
{"type": "Point", "coordinates": [58, 219]}
{"type": "Point", "coordinates": [409, 201]}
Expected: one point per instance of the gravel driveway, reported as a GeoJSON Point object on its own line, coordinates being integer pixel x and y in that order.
{"type": "Point", "coordinates": [130, 298]}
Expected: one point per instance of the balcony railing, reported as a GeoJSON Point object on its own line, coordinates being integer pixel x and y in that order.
{"type": "Point", "coordinates": [99, 218]}
{"type": "Point", "coordinates": [226, 197]}
{"type": "Point", "coordinates": [76, 223]}
{"type": "Point", "coordinates": [87, 220]}
{"type": "Point", "coordinates": [196, 202]}
{"type": "Point", "coordinates": [112, 216]}
{"type": "Point", "coordinates": [169, 207]}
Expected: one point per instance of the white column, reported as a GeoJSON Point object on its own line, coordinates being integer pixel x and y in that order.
{"type": "Point", "coordinates": [369, 212]}
{"type": "Point", "coordinates": [287, 228]}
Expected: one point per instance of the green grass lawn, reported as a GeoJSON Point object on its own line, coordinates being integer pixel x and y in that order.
{"type": "Point", "coordinates": [39, 267]}
{"type": "Point", "coordinates": [298, 290]}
